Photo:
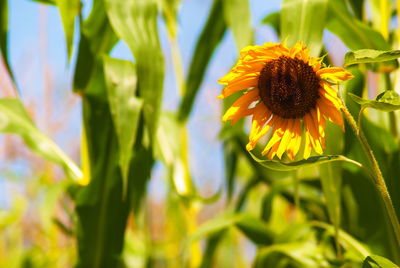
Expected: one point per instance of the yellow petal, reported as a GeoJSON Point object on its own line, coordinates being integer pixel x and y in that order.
{"type": "Point", "coordinates": [285, 138]}
{"type": "Point", "coordinates": [261, 123]}
{"type": "Point", "coordinates": [307, 146]}
{"type": "Point", "coordinates": [242, 84]}
{"type": "Point", "coordinates": [279, 128]}
{"type": "Point", "coordinates": [335, 74]}
{"type": "Point", "coordinates": [239, 108]}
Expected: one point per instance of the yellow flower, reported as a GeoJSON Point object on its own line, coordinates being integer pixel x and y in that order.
{"type": "Point", "coordinates": [286, 90]}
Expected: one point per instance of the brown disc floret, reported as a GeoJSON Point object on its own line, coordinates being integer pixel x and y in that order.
{"type": "Point", "coordinates": [288, 87]}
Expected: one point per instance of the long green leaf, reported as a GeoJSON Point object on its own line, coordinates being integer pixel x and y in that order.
{"type": "Point", "coordinates": [135, 22]}
{"type": "Point", "coordinates": [125, 108]}
{"type": "Point", "coordinates": [375, 261]}
{"type": "Point", "coordinates": [69, 10]}
{"type": "Point", "coordinates": [96, 39]}
{"type": "Point", "coordinates": [208, 41]}
{"type": "Point", "coordinates": [355, 34]}
{"type": "Point", "coordinates": [14, 119]}
{"type": "Point", "coordinates": [369, 56]}
{"type": "Point", "coordinates": [312, 161]}
{"type": "Point", "coordinates": [388, 101]}
{"type": "Point", "coordinates": [170, 14]}
{"type": "Point", "coordinates": [300, 23]}
{"type": "Point", "coordinates": [241, 28]}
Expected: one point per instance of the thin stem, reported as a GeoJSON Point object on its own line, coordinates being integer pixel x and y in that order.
{"type": "Point", "coordinates": [378, 178]}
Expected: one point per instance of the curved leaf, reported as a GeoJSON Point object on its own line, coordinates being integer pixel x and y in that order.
{"type": "Point", "coordinates": [369, 56]}
{"type": "Point", "coordinates": [135, 22]}
{"type": "Point", "coordinates": [120, 76]}
{"type": "Point", "coordinates": [208, 41]}
{"type": "Point", "coordinates": [312, 161]}
{"type": "Point", "coordinates": [388, 101]}
{"type": "Point", "coordinates": [299, 23]}
{"type": "Point", "coordinates": [375, 261]}
{"type": "Point", "coordinates": [14, 119]}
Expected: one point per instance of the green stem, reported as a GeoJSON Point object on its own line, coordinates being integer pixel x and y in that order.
{"type": "Point", "coordinates": [378, 178]}
{"type": "Point", "coordinates": [392, 115]}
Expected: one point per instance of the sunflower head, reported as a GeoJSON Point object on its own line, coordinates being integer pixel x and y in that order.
{"type": "Point", "coordinates": [285, 90]}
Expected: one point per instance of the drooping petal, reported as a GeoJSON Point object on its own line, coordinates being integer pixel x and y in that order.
{"type": "Point", "coordinates": [279, 130]}
{"type": "Point", "coordinates": [239, 108]}
{"type": "Point", "coordinates": [238, 85]}
{"type": "Point", "coordinates": [330, 111]}
{"type": "Point", "coordinates": [262, 121]}
{"type": "Point", "coordinates": [335, 74]}
{"type": "Point", "coordinates": [285, 138]}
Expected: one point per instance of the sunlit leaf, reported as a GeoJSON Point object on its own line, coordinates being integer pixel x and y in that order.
{"type": "Point", "coordinates": [14, 119]}
{"type": "Point", "coordinates": [375, 261]}
{"type": "Point", "coordinates": [208, 41]}
{"type": "Point", "coordinates": [273, 19]}
{"type": "Point", "coordinates": [170, 13]}
{"type": "Point", "coordinates": [369, 56]}
{"type": "Point", "coordinates": [299, 23]}
{"type": "Point", "coordinates": [96, 39]}
{"type": "Point", "coordinates": [48, 2]}
{"type": "Point", "coordinates": [355, 34]}
{"type": "Point", "coordinates": [135, 22]}
{"type": "Point", "coordinates": [241, 28]}
{"type": "Point", "coordinates": [125, 108]}
{"type": "Point", "coordinates": [387, 101]}
{"type": "Point", "coordinates": [69, 9]}
{"type": "Point", "coordinates": [312, 161]}
{"type": "Point", "coordinates": [168, 147]}
{"type": "Point", "coordinates": [346, 240]}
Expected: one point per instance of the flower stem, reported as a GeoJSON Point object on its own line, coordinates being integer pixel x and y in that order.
{"type": "Point", "coordinates": [377, 178]}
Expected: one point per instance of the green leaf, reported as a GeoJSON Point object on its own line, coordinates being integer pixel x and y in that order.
{"type": "Point", "coordinates": [69, 9]}
{"type": "Point", "coordinates": [135, 22]}
{"type": "Point", "coordinates": [312, 161]}
{"type": "Point", "coordinates": [375, 261]}
{"type": "Point", "coordinates": [120, 76]}
{"type": "Point", "coordinates": [169, 150]}
{"type": "Point", "coordinates": [208, 41]}
{"type": "Point", "coordinates": [241, 28]}
{"type": "Point", "coordinates": [170, 14]}
{"type": "Point", "coordinates": [299, 23]}
{"type": "Point", "coordinates": [387, 101]}
{"type": "Point", "coordinates": [97, 38]}
{"type": "Point", "coordinates": [369, 56]}
{"type": "Point", "coordinates": [256, 230]}
{"type": "Point", "coordinates": [355, 34]}
{"type": "Point", "coordinates": [47, 2]}
{"type": "Point", "coordinates": [4, 36]}
{"type": "Point", "coordinates": [14, 119]}
{"type": "Point", "coordinates": [273, 19]}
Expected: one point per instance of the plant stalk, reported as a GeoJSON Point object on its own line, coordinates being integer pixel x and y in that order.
{"type": "Point", "coordinates": [378, 178]}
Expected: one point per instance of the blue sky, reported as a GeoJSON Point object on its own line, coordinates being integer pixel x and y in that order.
{"type": "Point", "coordinates": [37, 41]}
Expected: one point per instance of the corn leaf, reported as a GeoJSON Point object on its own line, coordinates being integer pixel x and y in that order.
{"type": "Point", "coordinates": [135, 22]}
{"type": "Point", "coordinates": [355, 34]}
{"type": "Point", "coordinates": [96, 39]}
{"type": "Point", "coordinates": [375, 261]}
{"type": "Point", "coordinates": [241, 28]}
{"type": "Point", "coordinates": [14, 119]}
{"type": "Point", "coordinates": [170, 14]}
{"type": "Point", "coordinates": [387, 101]}
{"type": "Point", "coordinates": [299, 23]}
{"type": "Point", "coordinates": [208, 41]}
{"type": "Point", "coordinates": [69, 9]}
{"type": "Point", "coordinates": [125, 108]}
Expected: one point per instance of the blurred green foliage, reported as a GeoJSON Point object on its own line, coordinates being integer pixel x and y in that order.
{"type": "Point", "coordinates": [307, 213]}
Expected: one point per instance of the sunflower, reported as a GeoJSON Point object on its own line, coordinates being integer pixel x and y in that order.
{"type": "Point", "coordinates": [285, 90]}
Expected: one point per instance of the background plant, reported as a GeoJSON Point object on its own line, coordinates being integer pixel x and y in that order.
{"type": "Point", "coordinates": [101, 214]}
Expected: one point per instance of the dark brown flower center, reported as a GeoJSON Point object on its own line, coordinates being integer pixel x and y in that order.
{"type": "Point", "coordinates": [288, 87]}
